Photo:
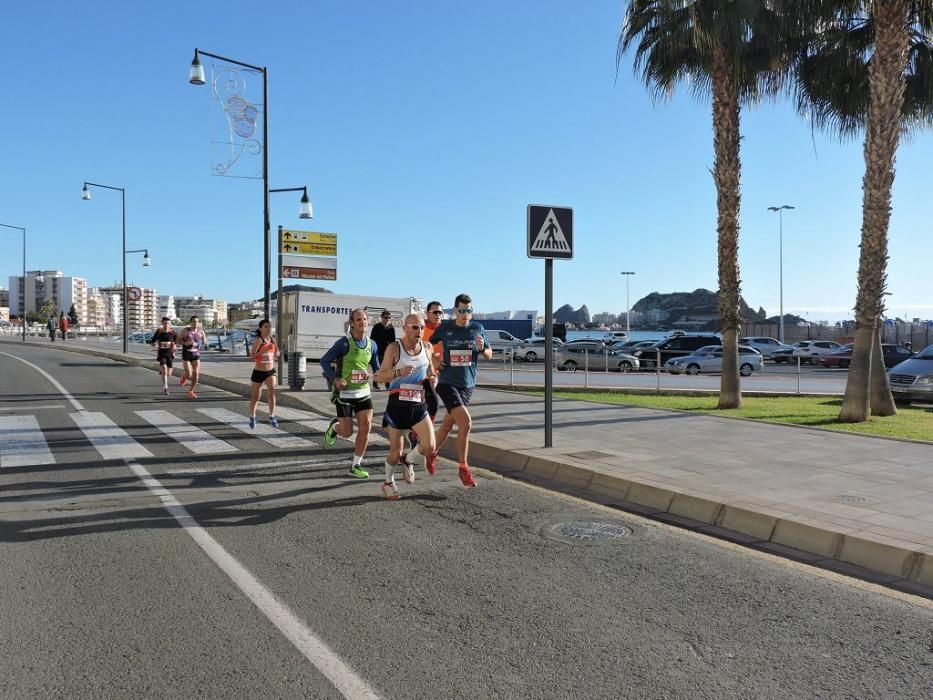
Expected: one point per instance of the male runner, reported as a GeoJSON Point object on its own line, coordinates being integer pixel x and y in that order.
{"type": "Point", "coordinates": [463, 341]}
{"type": "Point", "coordinates": [406, 366]}
{"type": "Point", "coordinates": [164, 341]}
{"type": "Point", "coordinates": [353, 355]}
{"type": "Point", "coordinates": [191, 339]}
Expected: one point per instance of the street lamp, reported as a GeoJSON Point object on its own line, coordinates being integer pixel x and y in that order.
{"type": "Point", "coordinates": [628, 309]}
{"type": "Point", "coordinates": [22, 311]}
{"type": "Point", "coordinates": [86, 194]}
{"type": "Point", "coordinates": [780, 211]}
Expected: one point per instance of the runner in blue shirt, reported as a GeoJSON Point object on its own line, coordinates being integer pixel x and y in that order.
{"type": "Point", "coordinates": [463, 341]}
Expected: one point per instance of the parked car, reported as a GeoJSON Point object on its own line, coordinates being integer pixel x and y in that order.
{"type": "Point", "coordinates": [631, 346]}
{"type": "Point", "coordinates": [763, 344]}
{"type": "Point", "coordinates": [674, 346]}
{"type": "Point", "coordinates": [912, 380]}
{"type": "Point", "coordinates": [810, 350]}
{"type": "Point", "coordinates": [502, 341]}
{"type": "Point", "coordinates": [709, 359]}
{"type": "Point", "coordinates": [532, 349]}
{"type": "Point", "coordinates": [593, 355]}
{"type": "Point", "coordinates": [892, 354]}
{"type": "Point", "coordinates": [786, 354]}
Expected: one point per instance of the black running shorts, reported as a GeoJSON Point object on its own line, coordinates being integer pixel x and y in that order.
{"type": "Point", "coordinates": [165, 358]}
{"type": "Point", "coordinates": [430, 397]}
{"type": "Point", "coordinates": [404, 415]}
{"type": "Point", "coordinates": [347, 407]}
{"type": "Point", "coordinates": [189, 356]}
{"type": "Point", "coordinates": [260, 375]}
{"type": "Point", "coordinates": [454, 396]}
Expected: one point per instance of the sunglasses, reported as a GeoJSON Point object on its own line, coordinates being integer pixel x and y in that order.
{"type": "Point", "coordinates": [436, 311]}
{"type": "Point", "coordinates": [417, 328]}
{"type": "Point", "coordinates": [468, 310]}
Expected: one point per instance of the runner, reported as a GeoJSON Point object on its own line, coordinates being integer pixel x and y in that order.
{"type": "Point", "coordinates": [407, 366]}
{"type": "Point", "coordinates": [265, 352]}
{"type": "Point", "coordinates": [164, 340]}
{"type": "Point", "coordinates": [463, 341]}
{"type": "Point", "coordinates": [432, 320]}
{"type": "Point", "coordinates": [191, 339]}
{"type": "Point", "coordinates": [345, 367]}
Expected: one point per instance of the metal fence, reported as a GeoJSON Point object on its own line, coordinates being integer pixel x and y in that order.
{"type": "Point", "coordinates": [919, 335]}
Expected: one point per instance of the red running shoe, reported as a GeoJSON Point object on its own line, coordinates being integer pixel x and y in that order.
{"type": "Point", "coordinates": [430, 463]}
{"type": "Point", "coordinates": [466, 477]}
{"type": "Point", "coordinates": [181, 382]}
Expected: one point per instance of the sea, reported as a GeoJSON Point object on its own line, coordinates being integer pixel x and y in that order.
{"type": "Point", "coordinates": [633, 334]}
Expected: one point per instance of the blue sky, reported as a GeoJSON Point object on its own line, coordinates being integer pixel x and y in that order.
{"type": "Point", "coordinates": [422, 130]}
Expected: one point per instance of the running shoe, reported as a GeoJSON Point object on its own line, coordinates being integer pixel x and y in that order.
{"type": "Point", "coordinates": [252, 421]}
{"type": "Point", "coordinates": [358, 472]}
{"type": "Point", "coordinates": [165, 391]}
{"type": "Point", "coordinates": [390, 491]}
{"type": "Point", "coordinates": [191, 394]}
{"type": "Point", "coordinates": [430, 463]}
{"type": "Point", "coordinates": [466, 477]}
{"type": "Point", "coordinates": [408, 470]}
{"type": "Point", "coordinates": [181, 382]}
{"type": "Point", "coordinates": [330, 437]}
{"type": "Point", "coordinates": [273, 421]}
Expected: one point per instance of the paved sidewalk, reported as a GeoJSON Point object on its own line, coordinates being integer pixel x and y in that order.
{"type": "Point", "coordinates": [829, 498]}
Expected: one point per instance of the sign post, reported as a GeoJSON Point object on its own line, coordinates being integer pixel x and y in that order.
{"type": "Point", "coordinates": [549, 236]}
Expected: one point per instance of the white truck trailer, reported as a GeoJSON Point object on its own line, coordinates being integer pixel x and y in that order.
{"type": "Point", "coordinates": [313, 321]}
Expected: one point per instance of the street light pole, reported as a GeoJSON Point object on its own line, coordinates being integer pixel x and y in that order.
{"type": "Point", "coordinates": [628, 309]}
{"type": "Point", "coordinates": [86, 194]}
{"type": "Point", "coordinates": [22, 311]}
{"type": "Point", "coordinates": [780, 211]}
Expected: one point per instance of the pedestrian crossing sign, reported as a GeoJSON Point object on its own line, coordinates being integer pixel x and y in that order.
{"type": "Point", "coordinates": [550, 231]}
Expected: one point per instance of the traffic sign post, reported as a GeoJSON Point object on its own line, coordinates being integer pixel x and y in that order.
{"type": "Point", "coordinates": [303, 255]}
{"type": "Point", "coordinates": [549, 236]}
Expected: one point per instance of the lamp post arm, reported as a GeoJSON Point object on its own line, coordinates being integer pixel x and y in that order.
{"type": "Point", "coordinates": [106, 187]}
{"type": "Point", "coordinates": [230, 60]}
{"type": "Point", "coordinates": [289, 189]}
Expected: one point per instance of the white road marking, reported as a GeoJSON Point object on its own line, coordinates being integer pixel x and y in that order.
{"type": "Point", "coordinates": [108, 438]}
{"type": "Point", "coordinates": [335, 669]}
{"type": "Point", "coordinates": [64, 392]}
{"type": "Point", "coordinates": [22, 443]}
{"type": "Point", "coordinates": [274, 436]}
{"type": "Point", "coordinates": [189, 436]}
{"type": "Point", "coordinates": [33, 408]}
{"type": "Point", "coordinates": [315, 422]}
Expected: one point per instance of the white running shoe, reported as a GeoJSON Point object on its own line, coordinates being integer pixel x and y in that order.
{"type": "Point", "coordinates": [390, 491]}
{"type": "Point", "coordinates": [408, 470]}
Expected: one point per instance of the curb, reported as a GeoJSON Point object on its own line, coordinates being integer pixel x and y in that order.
{"type": "Point", "coordinates": [819, 545]}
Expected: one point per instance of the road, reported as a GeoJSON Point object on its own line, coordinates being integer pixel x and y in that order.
{"type": "Point", "coordinates": [221, 562]}
{"type": "Point", "coordinates": [774, 378]}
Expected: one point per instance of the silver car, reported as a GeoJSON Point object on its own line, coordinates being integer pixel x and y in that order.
{"type": "Point", "coordinates": [594, 356]}
{"type": "Point", "coordinates": [532, 349]}
{"type": "Point", "coordinates": [709, 359]}
{"type": "Point", "coordinates": [912, 380]}
{"type": "Point", "coordinates": [763, 344]}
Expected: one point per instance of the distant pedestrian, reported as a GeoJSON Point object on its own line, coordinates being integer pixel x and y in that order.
{"type": "Point", "coordinates": [63, 325]}
{"type": "Point", "coordinates": [53, 327]}
{"type": "Point", "coordinates": [383, 335]}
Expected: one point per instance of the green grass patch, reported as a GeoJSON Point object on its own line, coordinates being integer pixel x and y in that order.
{"type": "Point", "coordinates": [909, 423]}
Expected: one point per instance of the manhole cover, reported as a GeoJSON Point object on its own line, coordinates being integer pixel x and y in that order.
{"type": "Point", "coordinates": [588, 531]}
{"type": "Point", "coordinates": [848, 498]}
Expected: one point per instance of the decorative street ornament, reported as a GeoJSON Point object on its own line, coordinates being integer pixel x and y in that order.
{"type": "Point", "coordinates": [236, 145]}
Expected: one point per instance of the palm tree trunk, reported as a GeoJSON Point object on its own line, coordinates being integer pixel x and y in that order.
{"type": "Point", "coordinates": [880, 397]}
{"type": "Point", "coordinates": [726, 171]}
{"type": "Point", "coordinates": [887, 81]}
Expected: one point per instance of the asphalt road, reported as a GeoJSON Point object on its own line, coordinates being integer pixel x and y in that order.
{"type": "Point", "coordinates": [263, 571]}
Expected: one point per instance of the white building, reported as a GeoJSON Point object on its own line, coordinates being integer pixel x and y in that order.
{"type": "Point", "coordinates": [212, 312]}
{"type": "Point", "coordinates": [167, 306]}
{"type": "Point", "coordinates": [510, 315]}
{"type": "Point", "coordinates": [142, 306]}
{"type": "Point", "coordinates": [49, 289]}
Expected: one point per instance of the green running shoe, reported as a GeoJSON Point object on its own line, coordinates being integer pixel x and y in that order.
{"type": "Point", "coordinates": [357, 471]}
{"type": "Point", "coordinates": [330, 437]}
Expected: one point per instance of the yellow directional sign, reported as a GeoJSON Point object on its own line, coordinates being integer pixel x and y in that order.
{"type": "Point", "coordinates": [309, 237]}
{"type": "Point", "coordinates": [301, 248]}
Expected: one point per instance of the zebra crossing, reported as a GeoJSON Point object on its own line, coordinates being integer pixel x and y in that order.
{"type": "Point", "coordinates": [24, 443]}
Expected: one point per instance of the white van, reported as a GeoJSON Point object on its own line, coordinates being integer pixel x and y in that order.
{"type": "Point", "coordinates": [502, 341]}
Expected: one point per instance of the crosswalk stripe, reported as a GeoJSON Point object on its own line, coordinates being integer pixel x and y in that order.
{"type": "Point", "coordinates": [109, 439]}
{"type": "Point", "coordinates": [274, 436]}
{"type": "Point", "coordinates": [22, 443]}
{"type": "Point", "coordinates": [315, 422]}
{"type": "Point", "coordinates": [189, 436]}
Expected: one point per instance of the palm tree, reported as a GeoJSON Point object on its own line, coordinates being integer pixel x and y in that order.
{"type": "Point", "coordinates": [729, 49]}
{"type": "Point", "coordinates": [868, 64]}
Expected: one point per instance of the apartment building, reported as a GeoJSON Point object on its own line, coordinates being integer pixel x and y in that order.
{"type": "Point", "coordinates": [49, 289]}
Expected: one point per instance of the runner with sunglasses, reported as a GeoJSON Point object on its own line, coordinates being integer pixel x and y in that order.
{"type": "Point", "coordinates": [406, 366]}
{"type": "Point", "coordinates": [463, 340]}
{"type": "Point", "coordinates": [346, 367]}
{"type": "Point", "coordinates": [432, 320]}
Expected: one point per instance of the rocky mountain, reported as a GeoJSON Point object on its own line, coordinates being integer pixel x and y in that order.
{"type": "Point", "coordinates": [566, 314]}
{"type": "Point", "coordinates": [698, 306]}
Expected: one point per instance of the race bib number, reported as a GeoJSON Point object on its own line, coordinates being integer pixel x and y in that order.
{"type": "Point", "coordinates": [165, 345]}
{"type": "Point", "coordinates": [411, 392]}
{"type": "Point", "coordinates": [461, 358]}
{"type": "Point", "coordinates": [266, 356]}
{"type": "Point", "coordinates": [359, 375]}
